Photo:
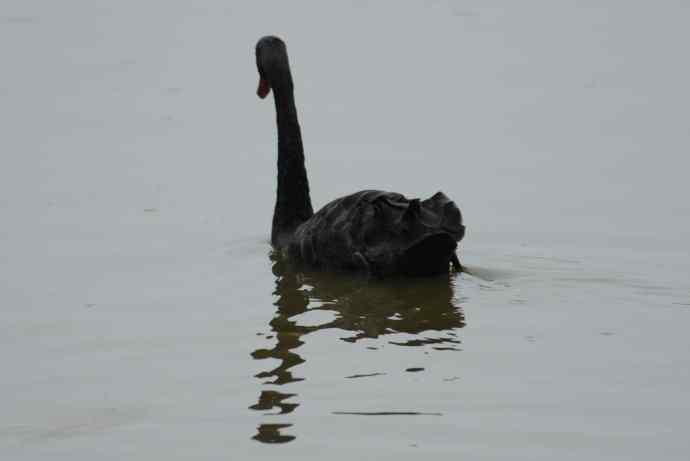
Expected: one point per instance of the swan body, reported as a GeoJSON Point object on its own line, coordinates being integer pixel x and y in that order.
{"type": "Point", "coordinates": [381, 233]}
{"type": "Point", "coordinates": [378, 232]}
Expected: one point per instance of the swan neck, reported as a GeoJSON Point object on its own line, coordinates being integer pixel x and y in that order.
{"type": "Point", "coordinates": [293, 204]}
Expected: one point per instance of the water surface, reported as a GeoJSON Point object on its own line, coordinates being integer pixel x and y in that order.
{"type": "Point", "coordinates": [144, 317]}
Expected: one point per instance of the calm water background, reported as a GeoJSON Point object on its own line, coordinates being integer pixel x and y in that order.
{"type": "Point", "coordinates": [144, 318]}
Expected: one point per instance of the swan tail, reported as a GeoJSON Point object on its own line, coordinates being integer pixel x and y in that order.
{"type": "Point", "coordinates": [432, 254]}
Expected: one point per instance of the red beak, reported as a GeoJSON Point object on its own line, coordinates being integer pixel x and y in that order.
{"type": "Point", "coordinates": [264, 88]}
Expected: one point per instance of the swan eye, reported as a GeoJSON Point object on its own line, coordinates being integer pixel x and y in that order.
{"type": "Point", "coordinates": [259, 67]}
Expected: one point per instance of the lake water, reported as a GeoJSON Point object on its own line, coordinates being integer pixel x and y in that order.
{"type": "Point", "coordinates": [144, 316]}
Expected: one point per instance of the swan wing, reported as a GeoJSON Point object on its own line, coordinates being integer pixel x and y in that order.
{"type": "Point", "coordinates": [373, 227]}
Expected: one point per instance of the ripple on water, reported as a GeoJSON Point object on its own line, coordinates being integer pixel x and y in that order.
{"type": "Point", "coordinates": [425, 312]}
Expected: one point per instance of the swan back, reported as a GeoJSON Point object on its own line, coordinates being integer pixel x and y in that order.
{"type": "Point", "coordinates": [382, 232]}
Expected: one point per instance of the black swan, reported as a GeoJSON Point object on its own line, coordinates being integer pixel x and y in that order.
{"type": "Point", "coordinates": [381, 233]}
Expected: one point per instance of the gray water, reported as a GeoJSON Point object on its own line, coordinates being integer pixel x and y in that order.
{"type": "Point", "coordinates": [144, 317]}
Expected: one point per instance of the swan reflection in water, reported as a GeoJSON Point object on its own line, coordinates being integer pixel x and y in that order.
{"type": "Point", "coordinates": [363, 309]}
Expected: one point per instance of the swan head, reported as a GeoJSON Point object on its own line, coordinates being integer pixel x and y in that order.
{"type": "Point", "coordinates": [272, 64]}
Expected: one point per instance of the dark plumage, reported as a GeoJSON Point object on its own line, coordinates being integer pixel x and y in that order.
{"type": "Point", "coordinates": [382, 233]}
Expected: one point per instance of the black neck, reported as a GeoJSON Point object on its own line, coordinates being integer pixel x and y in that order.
{"type": "Point", "coordinates": [293, 205]}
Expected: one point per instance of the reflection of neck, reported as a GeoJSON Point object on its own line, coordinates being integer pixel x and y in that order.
{"type": "Point", "coordinates": [292, 301]}
{"type": "Point", "coordinates": [293, 204]}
